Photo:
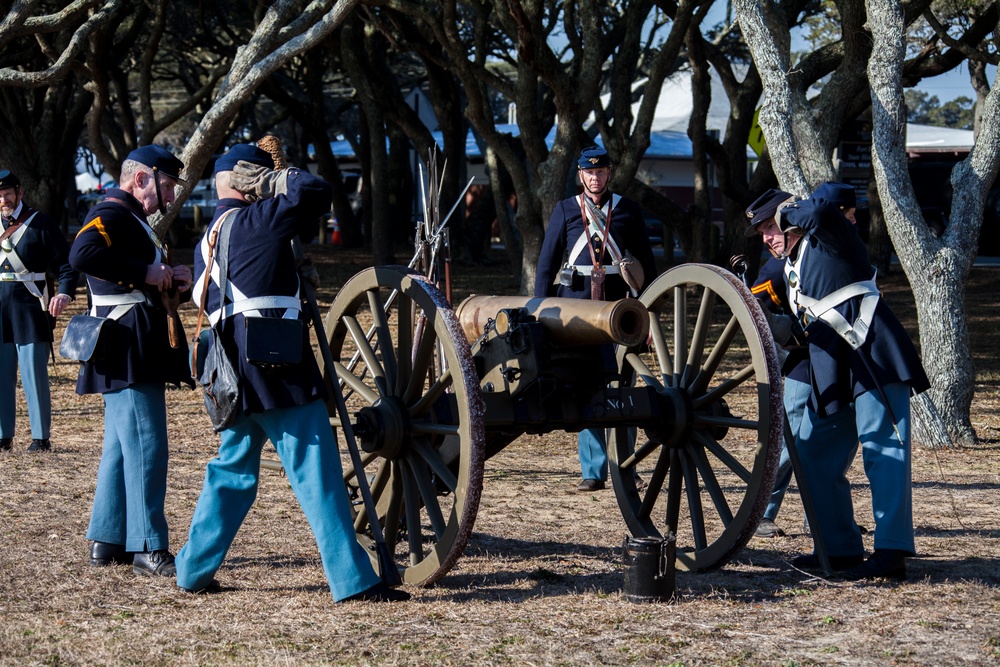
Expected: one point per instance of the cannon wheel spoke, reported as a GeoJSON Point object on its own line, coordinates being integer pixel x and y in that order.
{"type": "Point", "coordinates": [710, 478]}
{"type": "Point", "coordinates": [422, 430]}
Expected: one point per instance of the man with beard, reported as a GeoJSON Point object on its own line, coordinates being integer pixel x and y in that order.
{"type": "Point", "coordinates": [30, 244]}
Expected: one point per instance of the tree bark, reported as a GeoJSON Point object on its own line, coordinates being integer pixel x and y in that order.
{"type": "Point", "coordinates": [355, 54]}
{"type": "Point", "coordinates": [937, 268]}
{"type": "Point", "coordinates": [700, 213]}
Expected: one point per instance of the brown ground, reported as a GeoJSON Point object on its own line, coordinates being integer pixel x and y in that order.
{"type": "Point", "coordinates": [541, 578]}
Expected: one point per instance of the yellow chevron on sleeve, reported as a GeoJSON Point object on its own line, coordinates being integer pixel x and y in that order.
{"type": "Point", "coordinates": [99, 226]}
{"type": "Point", "coordinates": [768, 288]}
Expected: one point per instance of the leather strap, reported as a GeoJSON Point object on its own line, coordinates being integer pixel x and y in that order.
{"type": "Point", "coordinates": [212, 240]}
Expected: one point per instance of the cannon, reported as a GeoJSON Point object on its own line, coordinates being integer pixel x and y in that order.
{"type": "Point", "coordinates": [433, 392]}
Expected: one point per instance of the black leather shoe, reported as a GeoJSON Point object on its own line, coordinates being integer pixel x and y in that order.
{"type": "Point", "coordinates": [105, 553]}
{"type": "Point", "coordinates": [211, 587]}
{"type": "Point", "coordinates": [837, 563]}
{"type": "Point", "coordinates": [154, 563]}
{"type": "Point", "coordinates": [6, 443]}
{"type": "Point", "coordinates": [379, 593]}
{"type": "Point", "coordinates": [40, 445]}
{"type": "Point", "coordinates": [590, 485]}
{"type": "Point", "coordinates": [882, 564]}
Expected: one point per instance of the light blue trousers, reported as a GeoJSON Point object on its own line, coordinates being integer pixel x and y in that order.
{"type": "Point", "coordinates": [132, 475]}
{"type": "Point", "coordinates": [32, 359]}
{"type": "Point", "coordinates": [593, 450]}
{"type": "Point", "coordinates": [827, 447]}
{"type": "Point", "coordinates": [308, 451]}
{"type": "Point", "coordinates": [796, 399]}
{"type": "Point", "coordinates": [592, 446]}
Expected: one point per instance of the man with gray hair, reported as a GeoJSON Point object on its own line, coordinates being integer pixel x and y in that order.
{"type": "Point", "coordinates": [130, 283]}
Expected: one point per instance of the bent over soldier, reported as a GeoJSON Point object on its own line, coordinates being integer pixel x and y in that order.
{"type": "Point", "coordinates": [863, 368]}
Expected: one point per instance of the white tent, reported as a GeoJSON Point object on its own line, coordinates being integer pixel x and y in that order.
{"type": "Point", "coordinates": [676, 103]}
{"type": "Point", "coordinates": [930, 139]}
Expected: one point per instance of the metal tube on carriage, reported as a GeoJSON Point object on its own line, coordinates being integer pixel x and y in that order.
{"type": "Point", "coordinates": [569, 321]}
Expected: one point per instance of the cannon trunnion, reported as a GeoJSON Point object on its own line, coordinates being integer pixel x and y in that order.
{"type": "Point", "coordinates": [434, 392]}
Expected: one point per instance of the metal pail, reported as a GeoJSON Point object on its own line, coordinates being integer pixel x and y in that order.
{"type": "Point", "coordinates": [649, 568]}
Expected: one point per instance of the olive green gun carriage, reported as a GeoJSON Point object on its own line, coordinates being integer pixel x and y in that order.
{"type": "Point", "coordinates": [433, 392]}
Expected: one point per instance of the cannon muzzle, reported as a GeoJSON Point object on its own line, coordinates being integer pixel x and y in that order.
{"type": "Point", "coordinates": [568, 321]}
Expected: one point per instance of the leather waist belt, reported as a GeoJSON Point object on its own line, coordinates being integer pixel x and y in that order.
{"type": "Point", "coordinates": [585, 270]}
{"type": "Point", "coordinates": [21, 277]}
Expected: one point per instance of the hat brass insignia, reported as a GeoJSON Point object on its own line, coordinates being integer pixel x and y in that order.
{"type": "Point", "coordinates": [594, 160]}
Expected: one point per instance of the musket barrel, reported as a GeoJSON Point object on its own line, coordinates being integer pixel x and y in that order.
{"type": "Point", "coordinates": [569, 321]}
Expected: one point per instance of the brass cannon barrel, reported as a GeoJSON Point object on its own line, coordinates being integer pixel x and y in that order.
{"type": "Point", "coordinates": [569, 321]}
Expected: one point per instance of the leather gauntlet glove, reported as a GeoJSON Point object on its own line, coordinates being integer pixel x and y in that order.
{"type": "Point", "coordinates": [257, 181]}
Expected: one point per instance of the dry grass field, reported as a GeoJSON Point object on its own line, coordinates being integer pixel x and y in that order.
{"type": "Point", "coordinates": [541, 579]}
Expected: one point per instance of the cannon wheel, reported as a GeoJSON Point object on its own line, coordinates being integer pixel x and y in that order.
{"type": "Point", "coordinates": [414, 400]}
{"type": "Point", "coordinates": [709, 472]}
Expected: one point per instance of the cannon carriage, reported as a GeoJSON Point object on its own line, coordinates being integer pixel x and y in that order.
{"type": "Point", "coordinates": [688, 369]}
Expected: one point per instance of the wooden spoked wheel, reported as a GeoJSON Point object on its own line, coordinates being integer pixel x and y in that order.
{"type": "Point", "coordinates": [411, 389]}
{"type": "Point", "coordinates": [706, 473]}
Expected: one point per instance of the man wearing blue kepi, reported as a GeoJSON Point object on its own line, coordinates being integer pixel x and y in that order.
{"type": "Point", "coordinates": [585, 238]}
{"type": "Point", "coordinates": [130, 282]}
{"type": "Point", "coordinates": [769, 288]}
{"type": "Point", "coordinates": [30, 244]}
{"type": "Point", "coordinates": [283, 404]}
{"type": "Point", "coordinates": [863, 368]}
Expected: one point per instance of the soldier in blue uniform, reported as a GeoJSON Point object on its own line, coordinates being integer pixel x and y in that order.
{"type": "Point", "coordinates": [863, 368]}
{"type": "Point", "coordinates": [128, 275]}
{"type": "Point", "coordinates": [769, 288]}
{"type": "Point", "coordinates": [30, 244]}
{"type": "Point", "coordinates": [571, 251]}
{"type": "Point", "coordinates": [283, 404]}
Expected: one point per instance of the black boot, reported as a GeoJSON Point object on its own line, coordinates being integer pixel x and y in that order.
{"type": "Point", "coordinates": [39, 445]}
{"type": "Point", "coordinates": [5, 444]}
{"type": "Point", "coordinates": [379, 593]}
{"type": "Point", "coordinates": [837, 563]}
{"type": "Point", "coordinates": [158, 563]}
{"type": "Point", "coordinates": [882, 564]}
{"type": "Point", "coordinates": [105, 553]}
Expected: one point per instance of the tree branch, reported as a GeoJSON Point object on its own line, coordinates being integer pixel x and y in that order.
{"type": "Point", "coordinates": [968, 50]}
{"type": "Point", "coordinates": [13, 77]}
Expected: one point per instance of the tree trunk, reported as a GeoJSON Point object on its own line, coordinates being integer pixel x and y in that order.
{"type": "Point", "coordinates": [937, 268]}
{"type": "Point", "coordinates": [505, 213]}
{"type": "Point", "coordinates": [879, 245]}
{"type": "Point", "coordinates": [701, 90]}
{"type": "Point", "coordinates": [355, 51]}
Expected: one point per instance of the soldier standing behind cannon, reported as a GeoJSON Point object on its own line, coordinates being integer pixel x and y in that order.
{"type": "Point", "coordinates": [586, 240]}
{"type": "Point", "coordinates": [771, 292]}
{"type": "Point", "coordinates": [863, 368]}
{"type": "Point", "coordinates": [129, 278]}
{"type": "Point", "coordinates": [30, 244]}
{"type": "Point", "coordinates": [280, 403]}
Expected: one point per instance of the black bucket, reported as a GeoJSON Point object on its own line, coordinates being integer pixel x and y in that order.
{"type": "Point", "coordinates": [649, 568]}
